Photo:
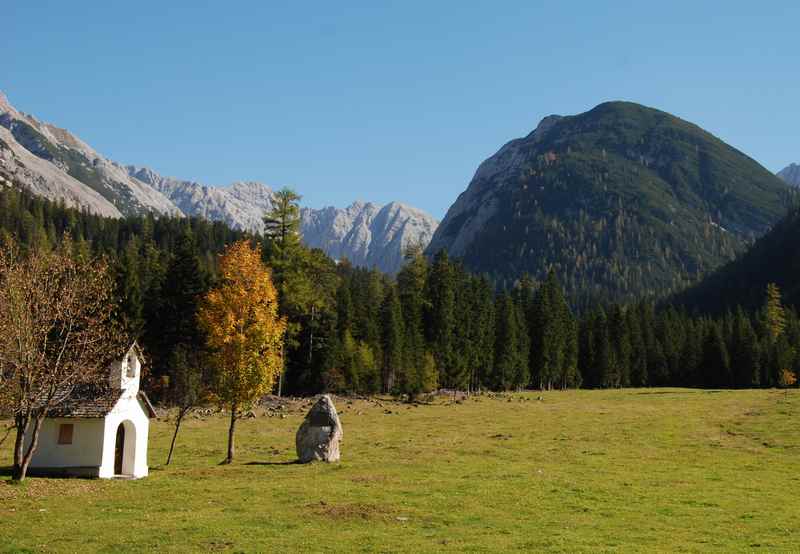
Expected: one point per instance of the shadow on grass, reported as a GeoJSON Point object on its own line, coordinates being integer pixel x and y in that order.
{"type": "Point", "coordinates": [289, 463]}
{"type": "Point", "coordinates": [669, 392]}
{"type": "Point", "coordinates": [34, 473]}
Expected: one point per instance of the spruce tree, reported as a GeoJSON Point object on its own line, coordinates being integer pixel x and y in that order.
{"type": "Point", "coordinates": [418, 363]}
{"type": "Point", "coordinates": [392, 332]}
{"type": "Point", "coordinates": [587, 355]}
{"type": "Point", "coordinates": [620, 339]}
{"type": "Point", "coordinates": [605, 359]}
{"type": "Point", "coordinates": [716, 361]}
{"type": "Point", "coordinates": [131, 293]}
{"type": "Point", "coordinates": [441, 319]}
{"type": "Point", "coordinates": [638, 359]}
{"type": "Point", "coordinates": [744, 352]}
{"type": "Point", "coordinates": [506, 350]}
{"type": "Point", "coordinates": [483, 332]}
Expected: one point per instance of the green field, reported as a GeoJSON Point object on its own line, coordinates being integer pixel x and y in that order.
{"type": "Point", "coordinates": [652, 470]}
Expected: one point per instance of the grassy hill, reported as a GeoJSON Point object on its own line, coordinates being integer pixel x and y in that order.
{"type": "Point", "coordinates": [656, 470]}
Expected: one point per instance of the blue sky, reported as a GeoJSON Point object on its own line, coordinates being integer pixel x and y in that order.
{"type": "Point", "coordinates": [387, 100]}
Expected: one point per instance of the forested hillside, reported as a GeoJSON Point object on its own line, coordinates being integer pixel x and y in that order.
{"type": "Point", "coordinates": [774, 258]}
{"type": "Point", "coordinates": [621, 201]}
{"type": "Point", "coordinates": [435, 325]}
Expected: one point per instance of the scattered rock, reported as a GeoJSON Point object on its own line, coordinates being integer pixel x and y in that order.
{"type": "Point", "coordinates": [320, 433]}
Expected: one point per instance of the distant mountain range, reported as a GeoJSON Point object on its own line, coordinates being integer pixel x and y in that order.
{"type": "Point", "coordinates": [54, 163]}
{"type": "Point", "coordinates": [367, 234]}
{"type": "Point", "coordinates": [622, 201]}
{"type": "Point", "coordinates": [791, 174]}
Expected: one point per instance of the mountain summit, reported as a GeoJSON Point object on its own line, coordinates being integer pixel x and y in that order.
{"type": "Point", "coordinates": [620, 200]}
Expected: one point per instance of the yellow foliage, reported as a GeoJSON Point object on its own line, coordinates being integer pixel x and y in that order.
{"type": "Point", "coordinates": [787, 378]}
{"type": "Point", "coordinates": [243, 329]}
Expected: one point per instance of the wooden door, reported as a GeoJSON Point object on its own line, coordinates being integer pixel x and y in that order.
{"type": "Point", "coordinates": [119, 449]}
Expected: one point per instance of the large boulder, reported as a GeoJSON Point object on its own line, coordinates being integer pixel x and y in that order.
{"type": "Point", "coordinates": [319, 435]}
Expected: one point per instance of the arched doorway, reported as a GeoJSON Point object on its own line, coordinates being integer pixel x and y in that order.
{"type": "Point", "coordinates": [119, 449]}
{"type": "Point", "coordinates": [125, 449]}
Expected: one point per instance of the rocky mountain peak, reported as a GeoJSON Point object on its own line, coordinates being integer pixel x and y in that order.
{"type": "Point", "coordinates": [4, 104]}
{"type": "Point", "coordinates": [367, 234]}
{"type": "Point", "coordinates": [791, 174]}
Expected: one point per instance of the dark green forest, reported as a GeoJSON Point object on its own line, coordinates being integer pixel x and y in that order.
{"type": "Point", "coordinates": [436, 325]}
{"type": "Point", "coordinates": [774, 258]}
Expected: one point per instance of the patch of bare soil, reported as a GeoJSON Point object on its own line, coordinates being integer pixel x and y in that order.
{"type": "Point", "coordinates": [356, 511]}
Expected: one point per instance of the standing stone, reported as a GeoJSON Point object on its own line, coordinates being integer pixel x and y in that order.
{"type": "Point", "coordinates": [319, 435]}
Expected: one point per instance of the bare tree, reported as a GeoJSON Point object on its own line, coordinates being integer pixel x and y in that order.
{"type": "Point", "coordinates": [186, 387]}
{"type": "Point", "coordinates": [56, 332]}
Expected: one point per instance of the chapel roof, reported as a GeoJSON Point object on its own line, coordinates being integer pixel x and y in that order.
{"type": "Point", "coordinates": [93, 400]}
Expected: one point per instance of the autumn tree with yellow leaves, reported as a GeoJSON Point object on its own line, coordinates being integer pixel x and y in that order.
{"type": "Point", "coordinates": [244, 331]}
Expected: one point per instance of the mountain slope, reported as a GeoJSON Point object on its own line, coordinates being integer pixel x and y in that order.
{"type": "Point", "coordinates": [66, 154]}
{"type": "Point", "coordinates": [19, 167]}
{"type": "Point", "coordinates": [774, 258]}
{"type": "Point", "coordinates": [241, 205]}
{"type": "Point", "coordinates": [621, 200]}
{"type": "Point", "coordinates": [791, 174]}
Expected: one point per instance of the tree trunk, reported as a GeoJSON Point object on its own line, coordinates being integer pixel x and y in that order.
{"type": "Point", "coordinates": [21, 468]}
{"type": "Point", "coordinates": [283, 364]}
{"type": "Point", "coordinates": [21, 423]}
{"type": "Point", "coordinates": [229, 459]}
{"type": "Point", "coordinates": [182, 412]}
{"type": "Point", "coordinates": [311, 337]}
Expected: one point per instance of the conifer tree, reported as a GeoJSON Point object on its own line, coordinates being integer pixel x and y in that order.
{"type": "Point", "coordinates": [745, 357]}
{"type": "Point", "coordinates": [441, 319]}
{"type": "Point", "coordinates": [605, 357]}
{"type": "Point", "coordinates": [482, 336]}
{"type": "Point", "coordinates": [638, 358]}
{"type": "Point", "coordinates": [773, 312]}
{"type": "Point", "coordinates": [282, 231]}
{"type": "Point", "coordinates": [392, 332]}
{"type": "Point", "coordinates": [131, 294]}
{"type": "Point", "coordinates": [416, 376]}
{"type": "Point", "coordinates": [620, 339]}
{"type": "Point", "coordinates": [716, 361]}
{"type": "Point", "coordinates": [587, 357]}
{"type": "Point", "coordinates": [571, 377]}
{"type": "Point", "coordinates": [185, 282]}
{"type": "Point", "coordinates": [522, 375]}
{"type": "Point", "coordinates": [508, 355]}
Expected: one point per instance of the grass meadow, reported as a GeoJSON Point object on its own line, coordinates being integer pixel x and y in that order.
{"type": "Point", "coordinates": [647, 470]}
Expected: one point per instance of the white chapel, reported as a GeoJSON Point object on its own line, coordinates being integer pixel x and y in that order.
{"type": "Point", "coordinates": [99, 430]}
